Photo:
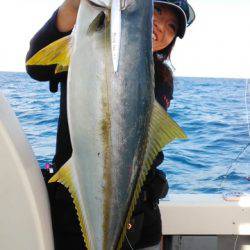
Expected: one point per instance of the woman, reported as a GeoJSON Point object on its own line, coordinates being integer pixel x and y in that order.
{"type": "Point", "coordinates": [170, 21]}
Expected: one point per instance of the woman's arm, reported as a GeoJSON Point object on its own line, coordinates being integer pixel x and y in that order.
{"type": "Point", "coordinates": [59, 25]}
{"type": "Point", "coordinates": [67, 14]}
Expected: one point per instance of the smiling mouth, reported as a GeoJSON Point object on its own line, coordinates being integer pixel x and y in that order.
{"type": "Point", "coordinates": [154, 37]}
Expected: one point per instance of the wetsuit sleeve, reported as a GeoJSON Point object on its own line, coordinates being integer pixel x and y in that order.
{"type": "Point", "coordinates": [46, 35]}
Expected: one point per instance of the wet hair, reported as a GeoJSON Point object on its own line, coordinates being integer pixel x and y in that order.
{"type": "Point", "coordinates": [163, 80]}
{"type": "Point", "coordinates": [163, 75]}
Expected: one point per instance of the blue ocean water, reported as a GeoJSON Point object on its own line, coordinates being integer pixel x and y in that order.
{"type": "Point", "coordinates": [213, 113]}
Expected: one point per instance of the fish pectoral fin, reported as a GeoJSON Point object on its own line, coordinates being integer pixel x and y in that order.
{"type": "Point", "coordinates": [162, 130]}
{"type": "Point", "coordinates": [97, 24]}
{"type": "Point", "coordinates": [56, 53]}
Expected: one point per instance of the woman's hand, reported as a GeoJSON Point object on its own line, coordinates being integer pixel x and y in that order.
{"type": "Point", "coordinates": [67, 14]}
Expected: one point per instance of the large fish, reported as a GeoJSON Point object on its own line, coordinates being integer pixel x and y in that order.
{"type": "Point", "coordinates": [116, 126]}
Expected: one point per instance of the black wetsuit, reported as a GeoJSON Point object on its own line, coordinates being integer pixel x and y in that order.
{"type": "Point", "coordinates": [67, 234]}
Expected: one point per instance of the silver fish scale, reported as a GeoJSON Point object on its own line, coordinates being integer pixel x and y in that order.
{"type": "Point", "coordinates": [109, 117]}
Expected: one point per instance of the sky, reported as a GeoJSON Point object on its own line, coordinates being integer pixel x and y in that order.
{"type": "Point", "coordinates": [215, 45]}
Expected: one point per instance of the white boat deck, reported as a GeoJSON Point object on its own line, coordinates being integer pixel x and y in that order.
{"type": "Point", "coordinates": [205, 222]}
{"type": "Point", "coordinates": [205, 214]}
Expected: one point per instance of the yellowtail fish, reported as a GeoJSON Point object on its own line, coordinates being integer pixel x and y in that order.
{"type": "Point", "coordinates": [116, 126]}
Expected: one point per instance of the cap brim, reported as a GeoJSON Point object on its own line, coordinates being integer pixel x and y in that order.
{"type": "Point", "coordinates": [181, 16]}
{"type": "Point", "coordinates": [191, 15]}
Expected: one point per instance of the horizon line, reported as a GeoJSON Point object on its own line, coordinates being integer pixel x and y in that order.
{"type": "Point", "coordinates": [175, 76]}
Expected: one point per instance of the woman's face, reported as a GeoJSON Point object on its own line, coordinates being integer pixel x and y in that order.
{"type": "Point", "coordinates": [165, 26]}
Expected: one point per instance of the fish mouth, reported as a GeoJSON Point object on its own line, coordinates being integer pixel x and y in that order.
{"type": "Point", "coordinates": [100, 3]}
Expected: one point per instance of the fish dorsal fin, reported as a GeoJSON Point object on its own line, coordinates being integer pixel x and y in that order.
{"type": "Point", "coordinates": [162, 130]}
{"type": "Point", "coordinates": [56, 53]}
{"type": "Point", "coordinates": [65, 177]}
